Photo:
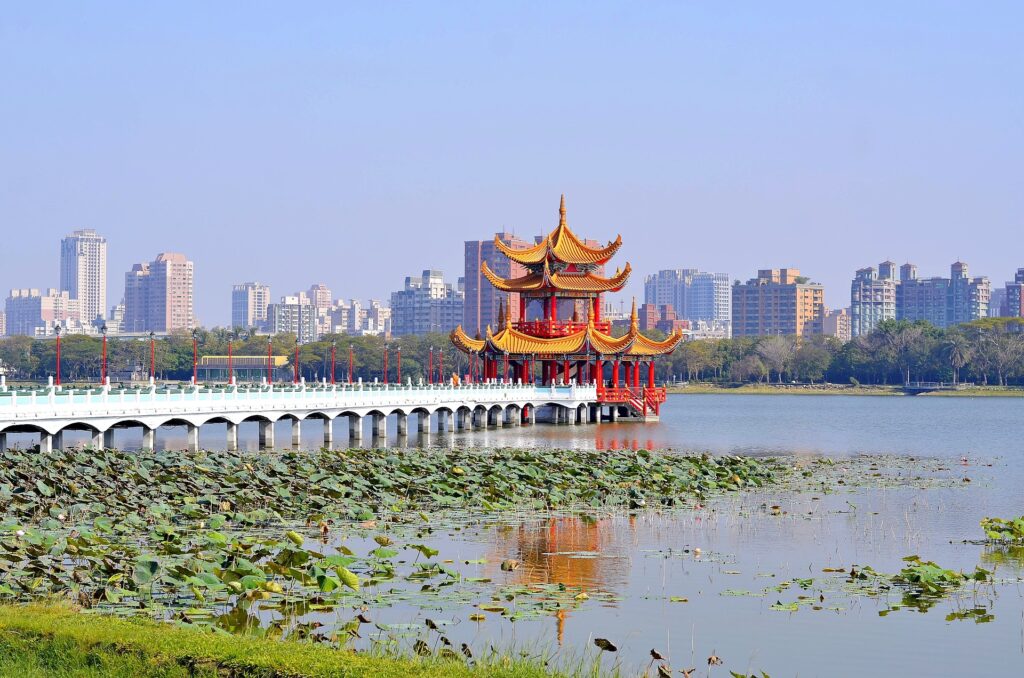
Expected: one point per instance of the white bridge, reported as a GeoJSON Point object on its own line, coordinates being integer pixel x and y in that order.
{"type": "Point", "coordinates": [50, 411]}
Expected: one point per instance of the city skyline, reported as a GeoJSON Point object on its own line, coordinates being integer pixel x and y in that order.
{"type": "Point", "coordinates": [364, 135]}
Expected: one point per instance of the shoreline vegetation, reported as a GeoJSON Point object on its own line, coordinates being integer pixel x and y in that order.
{"type": "Point", "coordinates": [56, 639]}
{"type": "Point", "coordinates": [705, 388]}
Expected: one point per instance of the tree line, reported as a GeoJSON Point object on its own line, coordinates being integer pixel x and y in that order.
{"type": "Point", "coordinates": [987, 351]}
{"type": "Point", "coordinates": [30, 359]}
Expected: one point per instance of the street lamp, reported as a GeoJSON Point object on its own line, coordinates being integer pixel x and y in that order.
{"type": "Point", "coordinates": [231, 364]}
{"type": "Point", "coordinates": [430, 368]}
{"type": "Point", "coordinates": [103, 367]}
{"type": "Point", "coordinates": [351, 355]}
{"type": "Point", "coordinates": [152, 355]}
{"type": "Point", "coordinates": [398, 379]}
{"type": "Point", "coordinates": [385, 364]}
{"type": "Point", "coordinates": [195, 356]}
{"type": "Point", "coordinates": [270, 363]}
{"type": "Point", "coordinates": [333, 346]}
{"type": "Point", "coordinates": [57, 330]}
{"type": "Point", "coordinates": [440, 366]}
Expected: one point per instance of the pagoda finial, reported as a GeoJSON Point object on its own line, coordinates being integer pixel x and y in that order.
{"type": "Point", "coordinates": [508, 313]}
{"type": "Point", "coordinates": [561, 211]}
{"type": "Point", "coordinates": [634, 319]}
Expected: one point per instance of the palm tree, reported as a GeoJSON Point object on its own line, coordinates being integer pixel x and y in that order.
{"type": "Point", "coordinates": [958, 351]}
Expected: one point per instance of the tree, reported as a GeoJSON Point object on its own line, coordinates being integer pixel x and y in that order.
{"type": "Point", "coordinates": [957, 349]}
{"type": "Point", "coordinates": [748, 368]}
{"type": "Point", "coordinates": [777, 353]}
{"type": "Point", "coordinates": [902, 340]}
{"type": "Point", "coordinates": [812, 359]}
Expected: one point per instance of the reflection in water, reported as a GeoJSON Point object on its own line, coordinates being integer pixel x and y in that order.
{"type": "Point", "coordinates": [578, 552]}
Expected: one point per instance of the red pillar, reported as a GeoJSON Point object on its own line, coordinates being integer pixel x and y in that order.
{"type": "Point", "coordinates": [597, 309]}
{"type": "Point", "coordinates": [385, 364]}
{"type": "Point", "coordinates": [270, 364]}
{"type": "Point", "coordinates": [230, 364]}
{"type": "Point", "coordinates": [522, 308]}
{"type": "Point", "coordinates": [430, 367]}
{"type": "Point", "coordinates": [636, 374]}
{"type": "Point", "coordinates": [615, 373]}
{"type": "Point", "coordinates": [296, 363]}
{"type": "Point", "coordinates": [650, 373]}
{"type": "Point", "coordinates": [350, 356]}
{"type": "Point", "coordinates": [565, 371]}
{"type": "Point", "coordinates": [103, 371]}
{"type": "Point", "coordinates": [195, 359]}
{"type": "Point", "coordinates": [58, 355]}
{"type": "Point", "coordinates": [332, 363]}
{"type": "Point", "coordinates": [553, 308]}
{"type": "Point", "coordinates": [598, 369]}
{"type": "Point", "coordinates": [398, 379]}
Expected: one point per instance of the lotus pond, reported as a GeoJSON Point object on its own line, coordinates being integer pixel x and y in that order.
{"type": "Point", "coordinates": [795, 560]}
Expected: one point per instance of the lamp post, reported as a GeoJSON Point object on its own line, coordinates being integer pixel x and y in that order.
{"type": "Point", "coordinates": [333, 346]}
{"type": "Point", "coordinates": [195, 356]}
{"type": "Point", "coordinates": [398, 378]}
{"type": "Point", "coordinates": [152, 355]}
{"type": "Point", "coordinates": [351, 356]}
{"type": "Point", "coordinates": [103, 365]}
{"type": "Point", "coordinates": [295, 379]}
{"type": "Point", "coordinates": [270, 363]}
{"type": "Point", "coordinates": [430, 368]}
{"type": "Point", "coordinates": [231, 363]}
{"type": "Point", "coordinates": [385, 364]}
{"type": "Point", "coordinates": [57, 329]}
{"type": "Point", "coordinates": [440, 366]}
{"type": "Point", "coordinates": [504, 372]}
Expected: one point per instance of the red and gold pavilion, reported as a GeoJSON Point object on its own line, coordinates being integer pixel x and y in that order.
{"type": "Point", "coordinates": [564, 268]}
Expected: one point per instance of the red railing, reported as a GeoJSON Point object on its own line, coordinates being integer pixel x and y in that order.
{"type": "Point", "coordinates": [548, 329]}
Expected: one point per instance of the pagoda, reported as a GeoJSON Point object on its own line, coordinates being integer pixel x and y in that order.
{"type": "Point", "coordinates": [557, 346]}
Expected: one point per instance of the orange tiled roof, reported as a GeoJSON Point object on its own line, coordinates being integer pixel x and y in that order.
{"type": "Point", "coordinates": [589, 340]}
{"type": "Point", "coordinates": [561, 245]}
{"type": "Point", "coordinates": [567, 282]}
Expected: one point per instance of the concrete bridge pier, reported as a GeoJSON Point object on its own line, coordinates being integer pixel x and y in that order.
{"type": "Point", "coordinates": [266, 435]}
{"type": "Point", "coordinates": [444, 421]}
{"type": "Point", "coordinates": [296, 432]}
{"type": "Point", "coordinates": [613, 413]}
{"type": "Point", "coordinates": [97, 440]}
{"type": "Point", "coordinates": [108, 439]}
{"type": "Point", "coordinates": [355, 427]}
{"type": "Point", "coordinates": [328, 432]}
{"type": "Point", "coordinates": [58, 440]}
{"type": "Point", "coordinates": [460, 420]}
{"type": "Point", "coordinates": [45, 442]}
{"type": "Point", "coordinates": [379, 425]}
{"type": "Point", "coordinates": [232, 433]}
{"type": "Point", "coordinates": [403, 423]}
{"type": "Point", "coordinates": [572, 415]}
{"type": "Point", "coordinates": [149, 438]}
{"type": "Point", "coordinates": [3, 442]}
{"type": "Point", "coordinates": [532, 418]}
{"type": "Point", "coordinates": [193, 438]}
{"type": "Point", "coordinates": [423, 422]}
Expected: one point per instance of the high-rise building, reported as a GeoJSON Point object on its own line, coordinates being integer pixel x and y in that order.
{"type": "Point", "coordinates": [294, 314]}
{"type": "Point", "coordinates": [695, 295]}
{"type": "Point", "coordinates": [836, 323]}
{"type": "Point", "coordinates": [249, 302]}
{"type": "Point", "coordinates": [777, 301]}
{"type": "Point", "coordinates": [3, 323]}
{"type": "Point", "coordinates": [1013, 305]}
{"type": "Point", "coordinates": [83, 272]}
{"type": "Point", "coordinates": [942, 301]}
{"type": "Point", "coordinates": [27, 312]}
{"type": "Point", "coordinates": [320, 296]}
{"type": "Point", "coordinates": [482, 300]}
{"type": "Point", "coordinates": [872, 297]}
{"type": "Point", "coordinates": [159, 296]}
{"type": "Point", "coordinates": [427, 304]}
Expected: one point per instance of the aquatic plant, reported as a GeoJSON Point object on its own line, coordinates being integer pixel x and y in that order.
{"type": "Point", "coordinates": [1009, 531]}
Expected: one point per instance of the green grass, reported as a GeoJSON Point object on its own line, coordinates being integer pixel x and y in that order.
{"type": "Point", "coordinates": [57, 640]}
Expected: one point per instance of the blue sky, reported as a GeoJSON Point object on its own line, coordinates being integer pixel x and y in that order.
{"type": "Point", "coordinates": [357, 144]}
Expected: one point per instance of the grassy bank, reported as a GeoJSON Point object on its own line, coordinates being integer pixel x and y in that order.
{"type": "Point", "coordinates": [838, 389]}
{"type": "Point", "coordinates": [56, 640]}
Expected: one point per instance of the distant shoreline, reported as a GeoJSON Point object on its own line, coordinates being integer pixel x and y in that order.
{"type": "Point", "coordinates": [840, 389]}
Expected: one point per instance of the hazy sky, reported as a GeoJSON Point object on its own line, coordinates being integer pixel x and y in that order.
{"type": "Point", "coordinates": [300, 142]}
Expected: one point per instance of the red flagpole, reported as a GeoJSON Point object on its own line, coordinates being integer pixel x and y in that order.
{"type": "Point", "coordinates": [350, 354]}
{"type": "Point", "coordinates": [430, 369]}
